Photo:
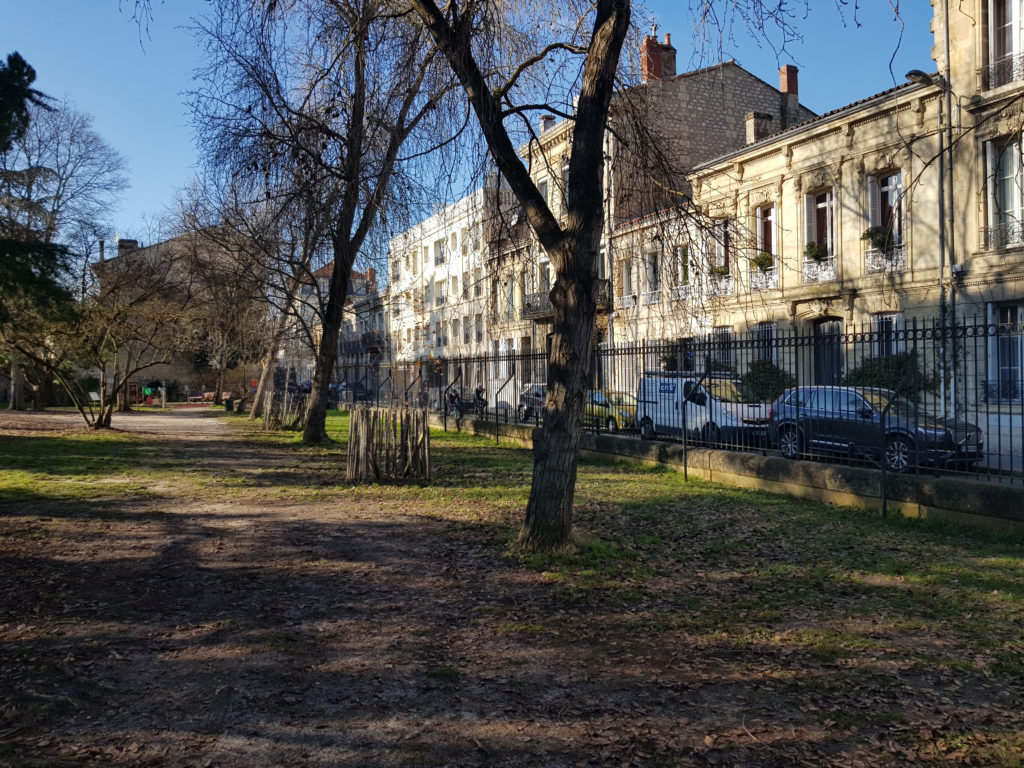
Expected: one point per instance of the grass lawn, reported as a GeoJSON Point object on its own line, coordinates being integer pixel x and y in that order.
{"type": "Point", "coordinates": [692, 623]}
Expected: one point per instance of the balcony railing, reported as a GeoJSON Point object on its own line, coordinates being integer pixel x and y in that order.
{"type": "Point", "coordinates": [764, 279]}
{"type": "Point", "coordinates": [819, 271]}
{"type": "Point", "coordinates": [537, 304]}
{"type": "Point", "coordinates": [649, 297]}
{"type": "Point", "coordinates": [680, 293]}
{"type": "Point", "coordinates": [1008, 69]}
{"type": "Point", "coordinates": [893, 259]}
{"type": "Point", "coordinates": [1006, 234]}
{"type": "Point", "coordinates": [721, 285]}
{"type": "Point", "coordinates": [625, 302]}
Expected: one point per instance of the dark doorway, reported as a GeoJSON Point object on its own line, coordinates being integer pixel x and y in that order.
{"type": "Point", "coordinates": [828, 351]}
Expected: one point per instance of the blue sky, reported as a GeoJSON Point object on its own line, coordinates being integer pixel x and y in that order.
{"type": "Point", "coordinates": [133, 82]}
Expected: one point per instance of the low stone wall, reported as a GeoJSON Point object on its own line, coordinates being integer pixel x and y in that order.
{"type": "Point", "coordinates": [940, 497]}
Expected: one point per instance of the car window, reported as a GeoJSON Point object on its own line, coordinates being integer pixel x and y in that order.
{"type": "Point", "coordinates": [812, 399]}
{"type": "Point", "coordinates": [848, 402]}
{"type": "Point", "coordinates": [732, 391]}
{"type": "Point", "coordinates": [622, 399]}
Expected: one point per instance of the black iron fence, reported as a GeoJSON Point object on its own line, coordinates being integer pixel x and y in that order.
{"type": "Point", "coordinates": [906, 395]}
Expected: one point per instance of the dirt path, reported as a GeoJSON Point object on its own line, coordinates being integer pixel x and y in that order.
{"type": "Point", "coordinates": [192, 597]}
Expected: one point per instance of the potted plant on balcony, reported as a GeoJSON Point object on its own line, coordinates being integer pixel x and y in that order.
{"type": "Point", "coordinates": [814, 251]}
{"type": "Point", "coordinates": [719, 271]}
{"type": "Point", "coordinates": [763, 261]}
{"type": "Point", "coordinates": [880, 238]}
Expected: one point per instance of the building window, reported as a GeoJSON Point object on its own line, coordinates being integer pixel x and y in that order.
{"type": "Point", "coordinates": [1006, 352]}
{"type": "Point", "coordinates": [652, 271]}
{"type": "Point", "coordinates": [681, 264]}
{"type": "Point", "coordinates": [1005, 63]}
{"type": "Point", "coordinates": [819, 210]}
{"type": "Point", "coordinates": [438, 253]}
{"type": "Point", "coordinates": [478, 283]}
{"type": "Point", "coordinates": [723, 245]}
{"type": "Point", "coordinates": [439, 293]}
{"type": "Point", "coordinates": [1004, 193]}
{"type": "Point", "coordinates": [542, 187]}
{"type": "Point", "coordinates": [764, 341]}
{"type": "Point", "coordinates": [722, 349]}
{"type": "Point", "coordinates": [627, 277]}
{"type": "Point", "coordinates": [885, 203]}
{"type": "Point", "coordinates": [479, 325]}
{"type": "Point", "coordinates": [465, 285]}
{"type": "Point", "coordinates": [885, 328]}
{"type": "Point", "coordinates": [766, 229]}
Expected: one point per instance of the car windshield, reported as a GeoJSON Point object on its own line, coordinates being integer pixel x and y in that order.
{"type": "Point", "coordinates": [622, 399]}
{"type": "Point", "coordinates": [731, 391]}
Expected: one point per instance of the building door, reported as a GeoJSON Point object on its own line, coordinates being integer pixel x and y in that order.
{"type": "Point", "coordinates": [828, 351]}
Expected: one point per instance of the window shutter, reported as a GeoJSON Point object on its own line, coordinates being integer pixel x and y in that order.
{"type": "Point", "coordinates": [810, 235]}
{"type": "Point", "coordinates": [874, 202]}
{"type": "Point", "coordinates": [990, 183]}
{"type": "Point", "coordinates": [833, 203]}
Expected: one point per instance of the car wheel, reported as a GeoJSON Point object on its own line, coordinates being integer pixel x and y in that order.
{"type": "Point", "coordinates": [646, 428]}
{"type": "Point", "coordinates": [789, 443]}
{"type": "Point", "coordinates": [611, 425]}
{"type": "Point", "coordinates": [899, 453]}
{"type": "Point", "coordinates": [711, 435]}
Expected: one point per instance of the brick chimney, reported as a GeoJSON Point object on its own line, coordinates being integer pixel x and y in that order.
{"type": "Point", "coordinates": [657, 60]}
{"type": "Point", "coordinates": [546, 122]}
{"type": "Point", "coordinates": [759, 125]}
{"type": "Point", "coordinates": [789, 95]}
{"type": "Point", "coordinates": [124, 247]}
{"type": "Point", "coordinates": [371, 280]}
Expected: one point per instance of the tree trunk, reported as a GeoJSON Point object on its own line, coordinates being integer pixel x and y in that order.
{"type": "Point", "coordinates": [548, 522]}
{"type": "Point", "coordinates": [315, 428]}
{"type": "Point", "coordinates": [17, 384]}
{"type": "Point", "coordinates": [221, 361]}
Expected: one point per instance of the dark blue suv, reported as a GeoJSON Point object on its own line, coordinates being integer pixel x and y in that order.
{"type": "Point", "coordinates": [848, 421]}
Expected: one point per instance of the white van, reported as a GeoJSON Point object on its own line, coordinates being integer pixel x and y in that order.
{"type": "Point", "coordinates": [719, 409]}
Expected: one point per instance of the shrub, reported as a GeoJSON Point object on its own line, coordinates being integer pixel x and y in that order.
{"type": "Point", "coordinates": [717, 271]}
{"type": "Point", "coordinates": [766, 380]}
{"type": "Point", "coordinates": [816, 251]}
{"type": "Point", "coordinates": [763, 261]}
{"type": "Point", "coordinates": [897, 372]}
{"type": "Point", "coordinates": [879, 237]}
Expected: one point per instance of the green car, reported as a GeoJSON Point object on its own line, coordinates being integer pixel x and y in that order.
{"type": "Point", "coordinates": [612, 410]}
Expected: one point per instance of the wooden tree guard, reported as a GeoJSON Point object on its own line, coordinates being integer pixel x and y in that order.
{"type": "Point", "coordinates": [388, 444]}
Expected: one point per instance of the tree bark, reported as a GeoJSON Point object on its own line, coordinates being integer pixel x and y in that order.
{"type": "Point", "coordinates": [572, 248]}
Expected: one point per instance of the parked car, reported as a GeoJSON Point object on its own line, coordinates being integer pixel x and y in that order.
{"type": "Point", "coordinates": [609, 409]}
{"type": "Point", "coordinates": [531, 402]}
{"type": "Point", "coordinates": [718, 409]}
{"type": "Point", "coordinates": [848, 421]}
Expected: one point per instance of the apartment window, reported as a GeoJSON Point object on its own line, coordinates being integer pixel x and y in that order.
{"type": "Point", "coordinates": [542, 187]}
{"type": "Point", "coordinates": [478, 283]}
{"type": "Point", "coordinates": [681, 259]}
{"type": "Point", "coordinates": [465, 330]}
{"type": "Point", "coordinates": [438, 252]}
{"type": "Point", "coordinates": [652, 271]}
{"type": "Point", "coordinates": [764, 341]}
{"type": "Point", "coordinates": [455, 331]}
{"type": "Point", "coordinates": [479, 325]}
{"type": "Point", "coordinates": [545, 277]}
{"type": "Point", "coordinates": [396, 271]}
{"type": "Point", "coordinates": [455, 286]}
{"type": "Point", "coordinates": [885, 201]}
{"type": "Point", "coordinates": [627, 277]}
{"type": "Point", "coordinates": [1004, 193]}
{"type": "Point", "coordinates": [439, 293]}
{"type": "Point", "coordinates": [1006, 352]}
{"type": "Point", "coordinates": [464, 235]}
{"type": "Point", "coordinates": [602, 265]}
{"type": "Point", "coordinates": [766, 229]}
{"type": "Point", "coordinates": [722, 348]}
{"type": "Point", "coordinates": [1005, 60]}
{"type": "Point", "coordinates": [426, 254]}
{"type": "Point", "coordinates": [465, 285]}
{"type": "Point", "coordinates": [819, 210]}
{"type": "Point", "coordinates": [723, 244]}
{"type": "Point", "coordinates": [885, 328]}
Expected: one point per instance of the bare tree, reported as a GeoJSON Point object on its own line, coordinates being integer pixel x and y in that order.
{"type": "Point", "coordinates": [326, 93]}
{"type": "Point", "coordinates": [463, 32]}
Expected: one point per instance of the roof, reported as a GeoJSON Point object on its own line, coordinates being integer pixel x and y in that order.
{"type": "Point", "coordinates": [820, 119]}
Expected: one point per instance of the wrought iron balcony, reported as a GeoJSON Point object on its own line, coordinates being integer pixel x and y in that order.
{"type": "Point", "coordinates": [1006, 234]}
{"type": "Point", "coordinates": [721, 285]}
{"type": "Point", "coordinates": [764, 279]}
{"type": "Point", "coordinates": [625, 302]}
{"type": "Point", "coordinates": [537, 304]}
{"type": "Point", "coordinates": [1008, 69]}
{"type": "Point", "coordinates": [816, 271]}
{"type": "Point", "coordinates": [650, 297]}
{"type": "Point", "coordinates": [892, 259]}
{"type": "Point", "coordinates": [680, 293]}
